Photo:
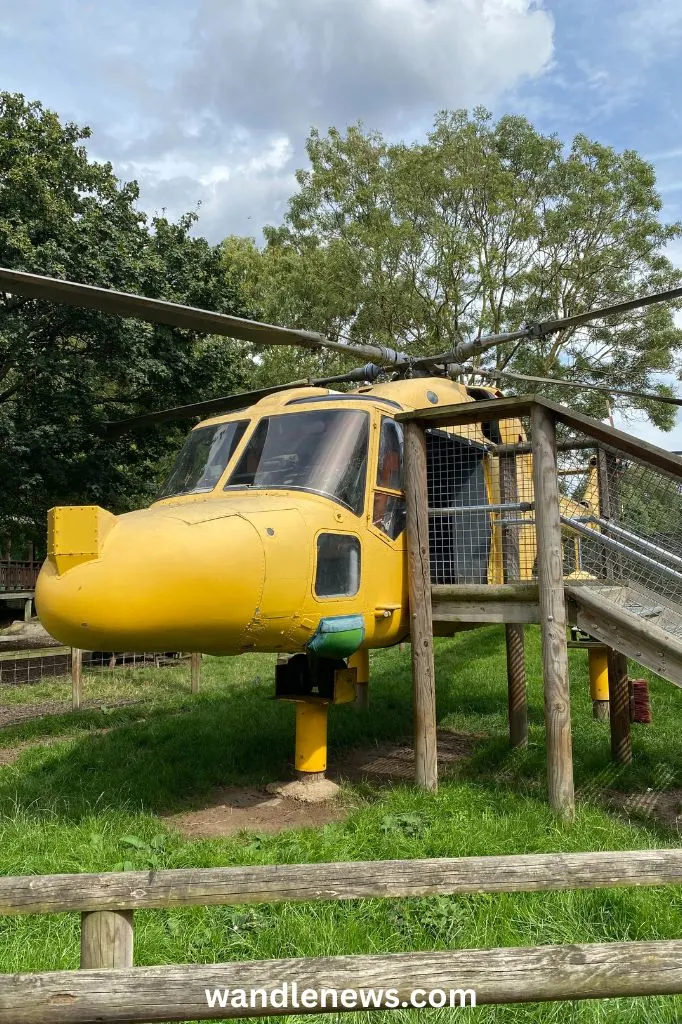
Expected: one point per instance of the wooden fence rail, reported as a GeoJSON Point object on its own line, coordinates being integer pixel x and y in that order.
{"type": "Point", "coordinates": [178, 992]}
{"type": "Point", "coordinates": [109, 989]}
{"type": "Point", "coordinates": [277, 883]}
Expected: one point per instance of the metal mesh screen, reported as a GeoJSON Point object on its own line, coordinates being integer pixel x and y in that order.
{"type": "Point", "coordinates": [624, 519]}
{"type": "Point", "coordinates": [621, 516]}
{"type": "Point", "coordinates": [480, 494]}
{"type": "Point", "coordinates": [33, 665]}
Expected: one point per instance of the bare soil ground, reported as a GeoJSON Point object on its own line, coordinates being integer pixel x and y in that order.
{"type": "Point", "coordinates": [663, 806]}
{"type": "Point", "coordinates": [252, 809]}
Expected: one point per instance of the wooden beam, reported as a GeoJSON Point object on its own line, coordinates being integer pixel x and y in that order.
{"type": "Point", "coordinates": [277, 883]}
{"type": "Point", "coordinates": [619, 708]}
{"type": "Point", "coordinates": [39, 640]}
{"type": "Point", "coordinates": [485, 592]}
{"type": "Point", "coordinates": [517, 700]}
{"type": "Point", "coordinates": [552, 614]}
{"type": "Point", "coordinates": [522, 612]}
{"type": "Point", "coordinates": [76, 678]}
{"type": "Point", "coordinates": [509, 408]}
{"type": "Point", "coordinates": [469, 412]}
{"type": "Point", "coordinates": [639, 639]}
{"type": "Point", "coordinates": [195, 672]}
{"type": "Point", "coordinates": [421, 629]}
{"type": "Point", "coordinates": [662, 460]}
{"type": "Point", "coordinates": [494, 976]}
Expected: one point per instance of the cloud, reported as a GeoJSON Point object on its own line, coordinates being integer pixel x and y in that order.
{"type": "Point", "coordinates": [281, 65]}
{"type": "Point", "coordinates": [212, 100]}
{"type": "Point", "coordinates": [652, 28]}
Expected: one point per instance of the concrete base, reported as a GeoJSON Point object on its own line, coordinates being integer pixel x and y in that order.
{"type": "Point", "coordinates": [308, 791]}
{"type": "Point", "coordinates": [600, 710]}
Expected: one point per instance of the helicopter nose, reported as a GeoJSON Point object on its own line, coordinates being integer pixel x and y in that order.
{"type": "Point", "coordinates": [152, 580]}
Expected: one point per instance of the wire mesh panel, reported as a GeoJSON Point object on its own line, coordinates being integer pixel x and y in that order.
{"type": "Point", "coordinates": [480, 497]}
{"type": "Point", "coordinates": [34, 665]}
{"type": "Point", "coordinates": [624, 517]}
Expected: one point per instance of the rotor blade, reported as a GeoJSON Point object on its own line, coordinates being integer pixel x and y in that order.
{"type": "Point", "coordinates": [512, 374]}
{"type": "Point", "coordinates": [539, 330]}
{"type": "Point", "coordinates": [230, 403]}
{"type": "Point", "coordinates": [552, 326]}
{"type": "Point", "coordinates": [173, 314]}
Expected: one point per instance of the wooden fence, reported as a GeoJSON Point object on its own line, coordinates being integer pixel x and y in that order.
{"type": "Point", "coordinates": [109, 989]}
{"type": "Point", "coordinates": [18, 576]}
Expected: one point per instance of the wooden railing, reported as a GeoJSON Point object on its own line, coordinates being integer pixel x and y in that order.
{"type": "Point", "coordinates": [19, 576]}
{"type": "Point", "coordinates": [110, 989]}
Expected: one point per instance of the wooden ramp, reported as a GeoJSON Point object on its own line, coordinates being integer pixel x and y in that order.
{"type": "Point", "coordinates": [633, 621]}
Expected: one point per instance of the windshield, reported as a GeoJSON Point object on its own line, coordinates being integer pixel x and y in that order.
{"type": "Point", "coordinates": [324, 451]}
{"type": "Point", "coordinates": [203, 458]}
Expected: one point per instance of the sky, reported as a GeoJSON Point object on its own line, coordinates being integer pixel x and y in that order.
{"type": "Point", "coordinates": [210, 101]}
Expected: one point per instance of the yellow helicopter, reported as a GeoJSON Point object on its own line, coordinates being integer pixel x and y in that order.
{"type": "Point", "coordinates": [281, 527]}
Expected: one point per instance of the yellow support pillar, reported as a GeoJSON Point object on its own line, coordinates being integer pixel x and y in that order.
{"type": "Point", "coordinates": [598, 662]}
{"type": "Point", "coordinates": [360, 662]}
{"type": "Point", "coordinates": [311, 737]}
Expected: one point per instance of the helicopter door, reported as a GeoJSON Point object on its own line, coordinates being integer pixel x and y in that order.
{"type": "Point", "coordinates": [459, 542]}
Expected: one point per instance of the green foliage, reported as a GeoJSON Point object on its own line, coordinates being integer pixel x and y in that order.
{"type": "Point", "coordinates": [95, 798]}
{"type": "Point", "coordinates": [64, 370]}
{"type": "Point", "coordinates": [481, 227]}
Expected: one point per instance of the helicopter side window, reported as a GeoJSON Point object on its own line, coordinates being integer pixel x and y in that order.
{"type": "Point", "coordinates": [388, 513]}
{"type": "Point", "coordinates": [338, 565]}
{"type": "Point", "coordinates": [390, 466]}
{"type": "Point", "coordinates": [324, 452]}
{"type": "Point", "coordinates": [203, 459]}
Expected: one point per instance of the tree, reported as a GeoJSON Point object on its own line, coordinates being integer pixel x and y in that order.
{"type": "Point", "coordinates": [481, 227]}
{"type": "Point", "coordinates": [64, 370]}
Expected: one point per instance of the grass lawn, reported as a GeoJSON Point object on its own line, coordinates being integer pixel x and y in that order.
{"type": "Point", "coordinates": [92, 801]}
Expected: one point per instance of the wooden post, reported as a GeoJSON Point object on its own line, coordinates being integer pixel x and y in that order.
{"type": "Point", "coordinates": [552, 613]}
{"type": "Point", "coordinates": [195, 672]}
{"type": "Point", "coordinates": [421, 622]}
{"type": "Point", "coordinates": [76, 677]}
{"type": "Point", "coordinates": [106, 939]}
{"type": "Point", "coordinates": [619, 704]}
{"type": "Point", "coordinates": [517, 700]}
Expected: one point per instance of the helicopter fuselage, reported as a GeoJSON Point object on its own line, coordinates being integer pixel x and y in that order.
{"type": "Point", "coordinates": [281, 529]}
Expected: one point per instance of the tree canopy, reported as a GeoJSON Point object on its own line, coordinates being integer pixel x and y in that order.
{"type": "Point", "coordinates": [478, 228]}
{"type": "Point", "coordinates": [484, 225]}
{"type": "Point", "coordinates": [64, 370]}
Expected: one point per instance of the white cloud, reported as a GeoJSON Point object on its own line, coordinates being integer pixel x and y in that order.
{"type": "Point", "coordinates": [651, 27]}
{"type": "Point", "coordinates": [219, 111]}
{"type": "Point", "coordinates": [282, 65]}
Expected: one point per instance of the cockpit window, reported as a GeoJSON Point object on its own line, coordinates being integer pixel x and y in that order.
{"type": "Point", "coordinates": [203, 459]}
{"type": "Point", "coordinates": [324, 451]}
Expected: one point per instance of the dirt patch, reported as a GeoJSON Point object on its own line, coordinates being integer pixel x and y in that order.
{"type": "Point", "coordinates": [11, 754]}
{"type": "Point", "coordinates": [248, 808]}
{"type": "Point", "coordinates": [660, 805]}
{"type": "Point", "coordinates": [251, 809]}
{"type": "Point", "coordinates": [15, 714]}
{"type": "Point", "coordinates": [388, 763]}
